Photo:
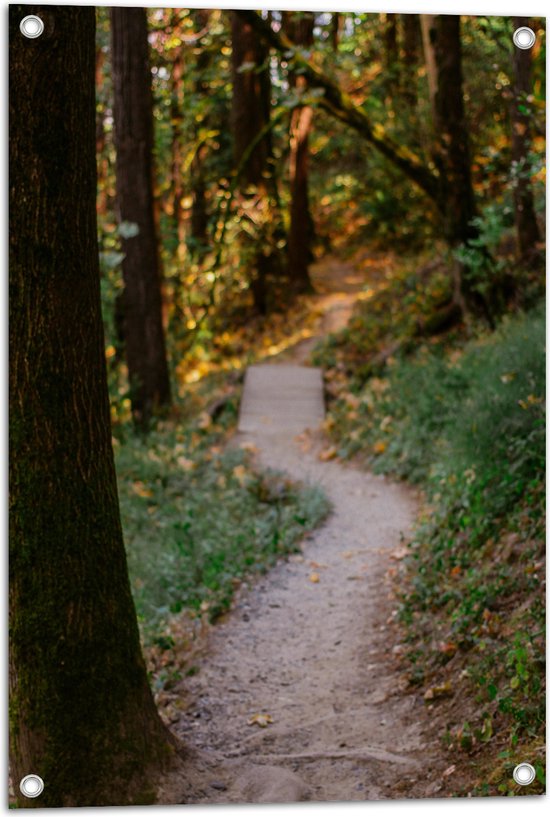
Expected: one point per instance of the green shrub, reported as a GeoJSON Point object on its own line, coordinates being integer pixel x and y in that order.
{"type": "Point", "coordinates": [197, 518]}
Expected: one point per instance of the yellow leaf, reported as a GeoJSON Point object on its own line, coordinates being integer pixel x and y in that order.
{"type": "Point", "coordinates": [379, 447]}
{"type": "Point", "coordinates": [140, 489]}
{"type": "Point", "coordinates": [239, 472]}
{"type": "Point", "coordinates": [205, 420]}
{"type": "Point", "coordinates": [327, 454]}
{"type": "Point", "coordinates": [441, 691]}
{"type": "Point", "coordinates": [315, 578]}
{"type": "Point", "coordinates": [260, 719]}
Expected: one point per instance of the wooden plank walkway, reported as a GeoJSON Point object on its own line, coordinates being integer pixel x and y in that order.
{"type": "Point", "coordinates": [281, 398]}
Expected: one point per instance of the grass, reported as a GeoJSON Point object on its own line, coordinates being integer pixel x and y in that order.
{"type": "Point", "coordinates": [198, 516]}
{"type": "Point", "coordinates": [464, 420]}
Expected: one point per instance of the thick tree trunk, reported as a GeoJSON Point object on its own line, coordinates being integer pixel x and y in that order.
{"type": "Point", "coordinates": [82, 715]}
{"type": "Point", "coordinates": [299, 29]}
{"type": "Point", "coordinates": [143, 330]}
{"type": "Point", "coordinates": [527, 230]}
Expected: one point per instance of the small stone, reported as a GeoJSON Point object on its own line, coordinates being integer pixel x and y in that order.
{"type": "Point", "coordinates": [218, 785]}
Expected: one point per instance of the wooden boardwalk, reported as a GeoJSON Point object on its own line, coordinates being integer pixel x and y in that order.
{"type": "Point", "coordinates": [281, 398]}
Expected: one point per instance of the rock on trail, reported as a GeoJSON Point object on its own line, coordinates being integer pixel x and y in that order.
{"type": "Point", "coordinates": [308, 644]}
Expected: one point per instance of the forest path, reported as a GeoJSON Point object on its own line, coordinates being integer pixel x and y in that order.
{"type": "Point", "coordinates": [307, 649]}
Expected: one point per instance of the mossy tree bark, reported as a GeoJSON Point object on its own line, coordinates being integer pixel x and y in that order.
{"type": "Point", "coordinates": [82, 714]}
{"type": "Point", "coordinates": [142, 301]}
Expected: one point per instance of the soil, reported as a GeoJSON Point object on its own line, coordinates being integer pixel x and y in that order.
{"type": "Point", "coordinates": [299, 692]}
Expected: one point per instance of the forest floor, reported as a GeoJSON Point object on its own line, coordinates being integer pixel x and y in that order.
{"type": "Point", "coordinates": [298, 692]}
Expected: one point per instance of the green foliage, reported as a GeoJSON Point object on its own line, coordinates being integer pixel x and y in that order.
{"type": "Point", "coordinates": [198, 517]}
{"type": "Point", "coordinates": [467, 422]}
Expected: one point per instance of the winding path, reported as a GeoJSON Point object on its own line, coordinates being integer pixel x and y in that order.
{"type": "Point", "coordinates": [310, 644]}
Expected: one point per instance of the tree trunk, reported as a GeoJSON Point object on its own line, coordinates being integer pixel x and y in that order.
{"type": "Point", "coordinates": [411, 41]}
{"type": "Point", "coordinates": [250, 116]}
{"type": "Point", "coordinates": [251, 99]}
{"type": "Point", "coordinates": [336, 20]}
{"type": "Point", "coordinates": [527, 230]}
{"type": "Point", "coordinates": [199, 210]}
{"type": "Point", "coordinates": [391, 53]}
{"type": "Point", "coordinates": [456, 199]}
{"type": "Point", "coordinates": [427, 25]}
{"type": "Point", "coordinates": [143, 330]}
{"type": "Point", "coordinates": [82, 714]}
{"type": "Point", "coordinates": [299, 29]}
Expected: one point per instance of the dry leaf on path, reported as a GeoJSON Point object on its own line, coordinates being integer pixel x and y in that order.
{"type": "Point", "coordinates": [442, 691]}
{"type": "Point", "coordinates": [328, 454]}
{"type": "Point", "coordinates": [315, 578]}
{"type": "Point", "coordinates": [260, 719]}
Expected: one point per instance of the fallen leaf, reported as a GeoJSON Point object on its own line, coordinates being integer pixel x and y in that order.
{"type": "Point", "coordinates": [448, 648]}
{"type": "Point", "coordinates": [449, 771]}
{"type": "Point", "coordinates": [397, 555]}
{"type": "Point", "coordinates": [260, 719]}
{"type": "Point", "coordinates": [185, 464]}
{"type": "Point", "coordinates": [441, 691]}
{"type": "Point", "coordinates": [249, 446]}
{"type": "Point", "coordinates": [328, 454]}
{"type": "Point", "coordinates": [239, 472]}
{"type": "Point", "coordinates": [315, 578]}
{"type": "Point", "coordinates": [379, 447]}
{"type": "Point", "coordinates": [205, 420]}
{"type": "Point", "coordinates": [140, 489]}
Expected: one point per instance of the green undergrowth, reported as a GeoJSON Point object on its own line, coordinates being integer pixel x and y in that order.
{"type": "Point", "coordinates": [464, 420]}
{"type": "Point", "coordinates": [199, 515]}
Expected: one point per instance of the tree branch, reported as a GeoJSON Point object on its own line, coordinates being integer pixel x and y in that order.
{"type": "Point", "coordinates": [340, 105]}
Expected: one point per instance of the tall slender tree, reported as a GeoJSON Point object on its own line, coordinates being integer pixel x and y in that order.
{"type": "Point", "coordinates": [452, 155]}
{"type": "Point", "coordinates": [299, 28]}
{"type": "Point", "coordinates": [411, 42]}
{"type": "Point", "coordinates": [449, 185]}
{"type": "Point", "coordinates": [251, 103]}
{"type": "Point", "coordinates": [143, 332]}
{"type": "Point", "coordinates": [82, 714]}
{"type": "Point", "coordinates": [527, 230]}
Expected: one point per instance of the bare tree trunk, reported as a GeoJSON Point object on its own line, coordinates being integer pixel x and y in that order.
{"type": "Point", "coordinates": [336, 20]}
{"type": "Point", "coordinates": [142, 302]}
{"type": "Point", "coordinates": [299, 28]}
{"type": "Point", "coordinates": [199, 210]}
{"type": "Point", "coordinates": [452, 156]}
{"type": "Point", "coordinates": [411, 42]}
{"type": "Point", "coordinates": [427, 25]}
{"type": "Point", "coordinates": [250, 116]}
{"type": "Point", "coordinates": [527, 230]}
{"type": "Point", "coordinates": [82, 715]}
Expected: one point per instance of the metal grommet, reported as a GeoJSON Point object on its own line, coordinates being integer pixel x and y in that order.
{"type": "Point", "coordinates": [31, 26]}
{"type": "Point", "coordinates": [31, 785]}
{"type": "Point", "coordinates": [524, 37]}
{"type": "Point", "coordinates": [524, 774]}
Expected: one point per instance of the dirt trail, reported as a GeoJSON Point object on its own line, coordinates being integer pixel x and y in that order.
{"type": "Point", "coordinates": [311, 646]}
